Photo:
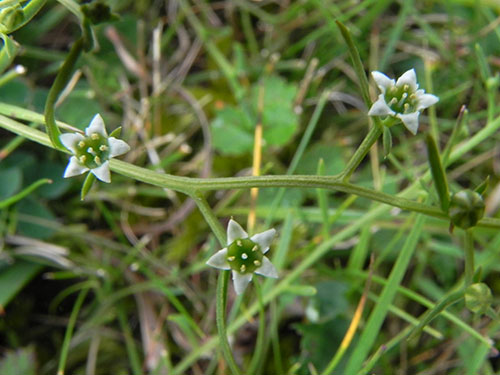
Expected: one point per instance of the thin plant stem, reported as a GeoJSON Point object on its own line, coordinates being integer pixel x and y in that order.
{"type": "Point", "coordinates": [210, 218]}
{"type": "Point", "coordinates": [259, 346]}
{"type": "Point", "coordinates": [220, 306]}
{"type": "Point", "coordinates": [132, 354]}
{"type": "Point", "coordinates": [24, 193]}
{"type": "Point", "coordinates": [221, 321]}
{"type": "Point", "coordinates": [304, 142]}
{"type": "Point", "coordinates": [360, 153]}
{"type": "Point", "coordinates": [191, 186]}
{"type": "Point", "coordinates": [323, 201]}
{"type": "Point", "coordinates": [69, 330]}
{"type": "Point", "coordinates": [469, 257]}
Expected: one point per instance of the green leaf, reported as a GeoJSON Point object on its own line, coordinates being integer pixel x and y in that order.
{"type": "Point", "coordinates": [387, 141]}
{"type": "Point", "coordinates": [36, 219]}
{"type": "Point", "coordinates": [8, 51]}
{"type": "Point", "coordinates": [279, 119]}
{"type": "Point", "coordinates": [14, 92]}
{"type": "Point", "coordinates": [233, 127]}
{"type": "Point", "coordinates": [320, 341]}
{"type": "Point", "coordinates": [481, 188]}
{"type": "Point", "coordinates": [232, 132]}
{"type": "Point", "coordinates": [331, 155]}
{"type": "Point", "coordinates": [11, 182]}
{"type": "Point", "coordinates": [13, 278]}
{"type": "Point", "coordinates": [87, 184]}
{"type": "Point", "coordinates": [438, 173]}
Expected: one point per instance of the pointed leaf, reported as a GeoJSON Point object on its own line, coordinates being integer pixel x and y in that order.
{"type": "Point", "coordinates": [438, 173]}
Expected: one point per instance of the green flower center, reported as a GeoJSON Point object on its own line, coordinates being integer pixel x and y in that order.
{"type": "Point", "coordinates": [401, 99]}
{"type": "Point", "coordinates": [244, 255]}
{"type": "Point", "coordinates": [93, 151]}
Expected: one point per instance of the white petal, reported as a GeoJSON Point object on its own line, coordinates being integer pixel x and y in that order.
{"type": "Point", "coordinates": [426, 100]}
{"type": "Point", "coordinates": [219, 260]}
{"type": "Point", "coordinates": [234, 232]}
{"type": "Point", "coordinates": [267, 269]}
{"type": "Point", "coordinates": [380, 108]}
{"type": "Point", "coordinates": [117, 147]}
{"type": "Point", "coordinates": [96, 126]}
{"type": "Point", "coordinates": [410, 120]}
{"type": "Point", "coordinates": [74, 168]}
{"type": "Point", "coordinates": [102, 172]}
{"type": "Point", "coordinates": [70, 140]}
{"type": "Point", "coordinates": [264, 239]}
{"type": "Point", "coordinates": [408, 78]}
{"type": "Point", "coordinates": [241, 281]}
{"type": "Point", "coordinates": [383, 82]}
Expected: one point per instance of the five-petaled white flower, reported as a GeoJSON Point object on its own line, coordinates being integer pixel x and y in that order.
{"type": "Point", "coordinates": [244, 255]}
{"type": "Point", "coordinates": [401, 99]}
{"type": "Point", "coordinates": [92, 151]}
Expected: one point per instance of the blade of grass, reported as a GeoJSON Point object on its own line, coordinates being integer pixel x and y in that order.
{"type": "Point", "coordinates": [377, 316]}
{"type": "Point", "coordinates": [69, 330]}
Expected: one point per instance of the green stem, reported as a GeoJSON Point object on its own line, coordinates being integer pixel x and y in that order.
{"type": "Point", "coordinates": [221, 298]}
{"type": "Point", "coordinates": [469, 257]}
{"type": "Point", "coordinates": [189, 186]}
{"type": "Point", "coordinates": [259, 346]}
{"type": "Point", "coordinates": [29, 11]}
{"type": "Point", "coordinates": [15, 198]}
{"type": "Point", "coordinates": [446, 301]}
{"type": "Point", "coordinates": [133, 356]}
{"type": "Point", "coordinates": [58, 86]}
{"type": "Point", "coordinates": [220, 307]}
{"type": "Point", "coordinates": [363, 149]}
{"type": "Point", "coordinates": [357, 63]}
{"type": "Point", "coordinates": [210, 218]}
{"type": "Point", "coordinates": [69, 330]}
{"type": "Point", "coordinates": [299, 152]}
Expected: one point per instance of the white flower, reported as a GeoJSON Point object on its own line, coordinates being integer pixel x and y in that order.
{"type": "Point", "coordinates": [92, 151]}
{"type": "Point", "coordinates": [401, 99]}
{"type": "Point", "coordinates": [244, 255]}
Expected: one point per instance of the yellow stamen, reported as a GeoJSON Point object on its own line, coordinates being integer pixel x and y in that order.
{"type": "Point", "coordinates": [243, 268]}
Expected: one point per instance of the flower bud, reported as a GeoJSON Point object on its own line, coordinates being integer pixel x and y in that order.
{"type": "Point", "coordinates": [478, 298]}
{"type": "Point", "coordinates": [466, 208]}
